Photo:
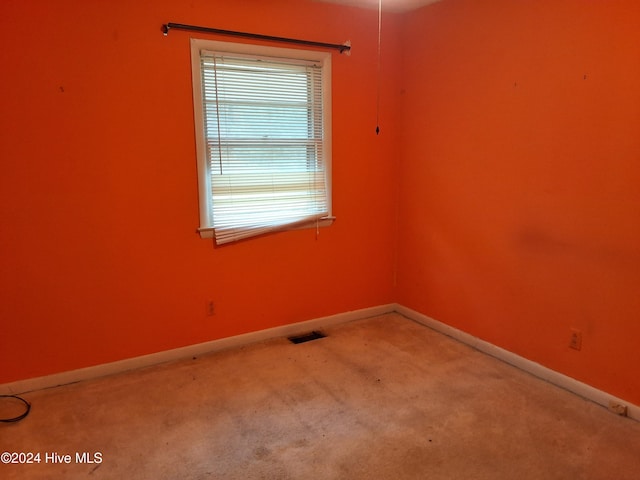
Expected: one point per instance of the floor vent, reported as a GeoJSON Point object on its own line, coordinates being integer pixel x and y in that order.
{"type": "Point", "coordinates": [307, 337]}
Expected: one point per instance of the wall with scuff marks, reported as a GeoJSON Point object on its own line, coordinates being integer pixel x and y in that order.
{"type": "Point", "coordinates": [520, 206]}
{"type": "Point", "coordinates": [99, 256]}
{"type": "Point", "coordinates": [518, 210]}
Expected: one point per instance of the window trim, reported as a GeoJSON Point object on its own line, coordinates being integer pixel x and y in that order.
{"type": "Point", "coordinates": [206, 230]}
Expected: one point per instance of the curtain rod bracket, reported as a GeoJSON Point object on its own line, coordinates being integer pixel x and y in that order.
{"type": "Point", "coordinates": [342, 48]}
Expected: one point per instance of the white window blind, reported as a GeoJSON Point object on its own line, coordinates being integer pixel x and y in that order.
{"type": "Point", "coordinates": [264, 143]}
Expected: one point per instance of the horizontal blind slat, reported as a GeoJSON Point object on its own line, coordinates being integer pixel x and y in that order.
{"type": "Point", "coordinates": [264, 140]}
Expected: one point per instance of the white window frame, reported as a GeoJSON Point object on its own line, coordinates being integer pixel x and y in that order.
{"type": "Point", "coordinates": [206, 229]}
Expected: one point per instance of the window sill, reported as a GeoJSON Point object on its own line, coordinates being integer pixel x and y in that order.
{"type": "Point", "coordinates": [207, 232]}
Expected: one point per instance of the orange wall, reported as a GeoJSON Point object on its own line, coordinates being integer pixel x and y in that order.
{"type": "Point", "coordinates": [98, 191]}
{"type": "Point", "coordinates": [514, 126]}
{"type": "Point", "coordinates": [520, 205]}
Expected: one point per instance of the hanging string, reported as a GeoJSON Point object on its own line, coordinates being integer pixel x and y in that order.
{"type": "Point", "coordinates": [215, 77]}
{"type": "Point", "coordinates": [378, 86]}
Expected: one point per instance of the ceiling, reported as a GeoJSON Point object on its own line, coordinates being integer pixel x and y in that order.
{"type": "Point", "coordinates": [387, 5]}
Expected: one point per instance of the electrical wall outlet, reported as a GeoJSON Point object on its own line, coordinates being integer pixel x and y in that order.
{"type": "Point", "coordinates": [575, 341]}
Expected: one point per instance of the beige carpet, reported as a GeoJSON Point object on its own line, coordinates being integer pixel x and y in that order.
{"type": "Point", "coordinates": [383, 398]}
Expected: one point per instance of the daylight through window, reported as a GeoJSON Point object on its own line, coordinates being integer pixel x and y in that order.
{"type": "Point", "coordinates": [264, 146]}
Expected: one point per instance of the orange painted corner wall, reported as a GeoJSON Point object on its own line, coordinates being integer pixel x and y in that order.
{"type": "Point", "coordinates": [519, 199]}
{"type": "Point", "coordinates": [100, 260]}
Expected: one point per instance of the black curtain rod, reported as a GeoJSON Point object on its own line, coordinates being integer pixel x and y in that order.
{"type": "Point", "coordinates": [193, 28]}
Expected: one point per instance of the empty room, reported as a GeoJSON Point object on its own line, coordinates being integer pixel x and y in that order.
{"type": "Point", "coordinates": [341, 239]}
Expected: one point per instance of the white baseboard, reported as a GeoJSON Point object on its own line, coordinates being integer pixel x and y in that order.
{"type": "Point", "coordinates": [540, 371]}
{"type": "Point", "coordinates": [73, 376]}
{"type": "Point", "coordinates": [551, 376]}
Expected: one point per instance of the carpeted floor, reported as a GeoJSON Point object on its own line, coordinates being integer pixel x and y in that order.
{"type": "Point", "coordinates": [382, 398]}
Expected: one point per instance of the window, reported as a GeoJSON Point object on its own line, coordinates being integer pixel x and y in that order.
{"type": "Point", "coordinates": [263, 138]}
